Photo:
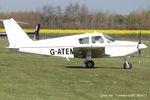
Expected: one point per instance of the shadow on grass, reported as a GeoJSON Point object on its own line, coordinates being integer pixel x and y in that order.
{"type": "Point", "coordinates": [83, 67]}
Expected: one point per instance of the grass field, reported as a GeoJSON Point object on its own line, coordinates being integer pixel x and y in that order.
{"type": "Point", "coordinates": [36, 77]}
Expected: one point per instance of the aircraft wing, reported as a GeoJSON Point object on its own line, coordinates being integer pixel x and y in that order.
{"type": "Point", "coordinates": [97, 52]}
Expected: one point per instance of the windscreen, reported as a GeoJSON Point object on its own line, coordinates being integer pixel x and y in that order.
{"type": "Point", "coordinates": [109, 38]}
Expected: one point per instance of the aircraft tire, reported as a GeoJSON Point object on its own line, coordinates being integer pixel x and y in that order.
{"type": "Point", "coordinates": [127, 65]}
{"type": "Point", "coordinates": [90, 64]}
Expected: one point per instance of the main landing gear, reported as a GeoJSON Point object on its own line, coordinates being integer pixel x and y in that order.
{"type": "Point", "coordinates": [127, 65]}
{"type": "Point", "coordinates": [89, 63]}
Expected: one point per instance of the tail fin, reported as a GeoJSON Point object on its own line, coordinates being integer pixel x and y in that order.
{"type": "Point", "coordinates": [16, 36]}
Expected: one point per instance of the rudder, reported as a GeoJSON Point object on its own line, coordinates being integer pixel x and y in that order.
{"type": "Point", "coordinates": [16, 36]}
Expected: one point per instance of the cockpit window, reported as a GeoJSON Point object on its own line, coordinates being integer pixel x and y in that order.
{"type": "Point", "coordinates": [97, 39]}
{"type": "Point", "coordinates": [84, 40]}
{"type": "Point", "coordinates": [109, 38]}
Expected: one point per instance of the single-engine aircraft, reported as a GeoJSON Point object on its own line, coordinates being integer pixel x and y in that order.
{"type": "Point", "coordinates": [88, 45]}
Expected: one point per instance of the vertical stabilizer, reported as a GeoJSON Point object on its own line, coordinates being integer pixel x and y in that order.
{"type": "Point", "coordinates": [16, 36]}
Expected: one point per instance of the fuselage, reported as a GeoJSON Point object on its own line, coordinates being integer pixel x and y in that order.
{"type": "Point", "coordinates": [65, 46]}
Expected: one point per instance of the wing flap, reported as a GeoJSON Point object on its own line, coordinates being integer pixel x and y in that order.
{"type": "Point", "coordinates": [80, 52]}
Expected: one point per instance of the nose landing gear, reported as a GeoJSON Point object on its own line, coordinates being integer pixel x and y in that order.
{"type": "Point", "coordinates": [127, 65]}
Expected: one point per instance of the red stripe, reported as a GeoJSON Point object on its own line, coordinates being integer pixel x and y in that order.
{"type": "Point", "coordinates": [121, 45]}
{"type": "Point", "coordinates": [73, 47]}
{"type": "Point", "coordinates": [51, 47]}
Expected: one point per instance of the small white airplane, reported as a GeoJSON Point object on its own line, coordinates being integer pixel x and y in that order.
{"type": "Point", "coordinates": [88, 46]}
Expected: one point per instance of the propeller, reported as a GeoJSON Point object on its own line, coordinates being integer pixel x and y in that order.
{"type": "Point", "coordinates": [36, 34]}
{"type": "Point", "coordinates": [139, 51]}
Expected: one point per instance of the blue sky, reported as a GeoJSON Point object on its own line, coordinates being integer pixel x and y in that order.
{"type": "Point", "coordinates": [118, 6]}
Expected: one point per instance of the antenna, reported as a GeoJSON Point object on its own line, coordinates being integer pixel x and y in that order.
{"type": "Point", "coordinates": [17, 22]}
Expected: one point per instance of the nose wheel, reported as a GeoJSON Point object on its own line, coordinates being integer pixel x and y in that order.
{"type": "Point", "coordinates": [127, 65]}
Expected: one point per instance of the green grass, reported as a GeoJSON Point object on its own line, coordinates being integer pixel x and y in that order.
{"type": "Point", "coordinates": [36, 77]}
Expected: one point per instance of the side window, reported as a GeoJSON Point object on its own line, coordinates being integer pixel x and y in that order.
{"type": "Point", "coordinates": [97, 39]}
{"type": "Point", "coordinates": [84, 40]}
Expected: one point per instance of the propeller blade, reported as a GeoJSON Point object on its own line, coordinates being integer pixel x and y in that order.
{"type": "Point", "coordinates": [139, 51]}
{"type": "Point", "coordinates": [139, 56]}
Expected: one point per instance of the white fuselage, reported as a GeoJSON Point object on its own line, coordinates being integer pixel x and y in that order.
{"type": "Point", "coordinates": [63, 46]}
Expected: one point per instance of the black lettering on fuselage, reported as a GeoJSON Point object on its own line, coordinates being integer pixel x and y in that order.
{"type": "Point", "coordinates": [52, 51]}
{"type": "Point", "coordinates": [61, 51]}
{"type": "Point", "coordinates": [71, 51]}
{"type": "Point", "coordinates": [67, 51]}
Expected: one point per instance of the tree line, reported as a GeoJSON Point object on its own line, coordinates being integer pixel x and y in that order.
{"type": "Point", "coordinates": [76, 16]}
